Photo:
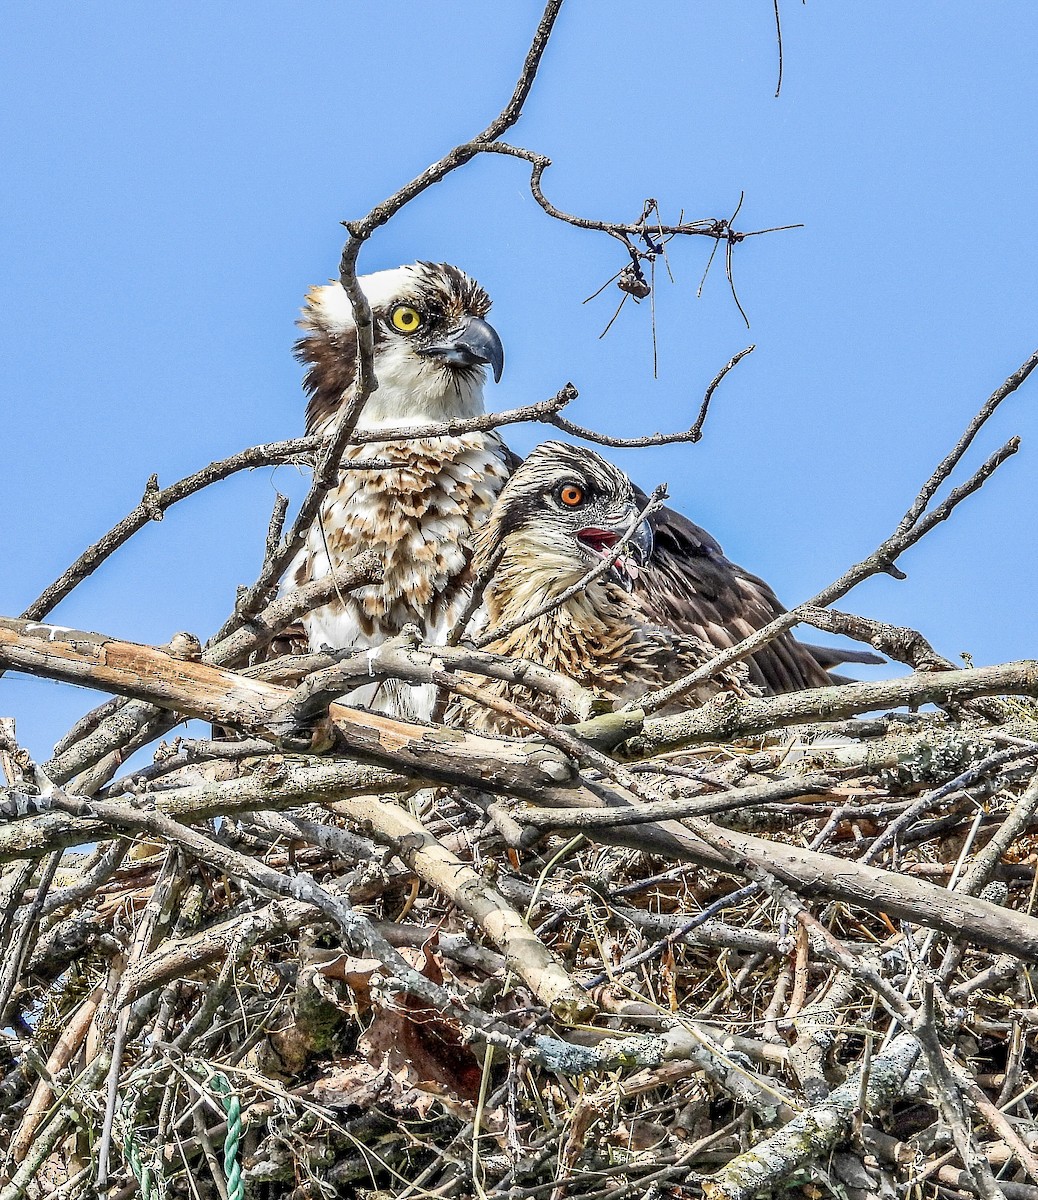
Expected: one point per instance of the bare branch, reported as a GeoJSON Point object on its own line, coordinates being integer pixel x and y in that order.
{"type": "Point", "coordinates": [897, 642]}
{"type": "Point", "coordinates": [543, 411]}
{"type": "Point", "coordinates": [119, 725]}
{"type": "Point", "coordinates": [952, 458]}
{"type": "Point", "coordinates": [228, 698]}
{"type": "Point", "coordinates": [913, 526]}
{"type": "Point", "coordinates": [725, 717]}
{"type": "Point", "coordinates": [404, 657]}
{"type": "Point", "coordinates": [813, 875]}
{"type": "Point", "coordinates": [692, 434]}
{"type": "Point", "coordinates": [152, 508]}
{"type": "Point", "coordinates": [717, 228]}
{"type": "Point", "coordinates": [590, 819]}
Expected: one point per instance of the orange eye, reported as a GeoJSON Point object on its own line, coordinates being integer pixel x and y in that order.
{"type": "Point", "coordinates": [571, 495]}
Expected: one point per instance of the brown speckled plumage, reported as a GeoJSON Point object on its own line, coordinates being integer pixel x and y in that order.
{"type": "Point", "coordinates": [419, 513]}
{"type": "Point", "coordinates": [419, 517]}
{"type": "Point", "coordinates": [601, 637]}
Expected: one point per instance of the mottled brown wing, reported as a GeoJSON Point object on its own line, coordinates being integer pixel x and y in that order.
{"type": "Point", "coordinates": [292, 640]}
{"type": "Point", "coordinates": [691, 587]}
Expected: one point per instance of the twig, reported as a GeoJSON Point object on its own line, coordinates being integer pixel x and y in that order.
{"type": "Point", "coordinates": [929, 799]}
{"type": "Point", "coordinates": [778, 38]}
{"type": "Point", "coordinates": [712, 227]}
{"type": "Point", "coordinates": [590, 819]}
{"type": "Point", "coordinates": [693, 434]}
{"type": "Point", "coordinates": [697, 428]}
{"type": "Point", "coordinates": [153, 508]}
{"type": "Point", "coordinates": [262, 628]}
{"type": "Point", "coordinates": [912, 526]}
{"type": "Point", "coordinates": [542, 411]}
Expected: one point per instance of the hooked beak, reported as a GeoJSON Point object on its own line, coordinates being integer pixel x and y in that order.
{"type": "Point", "coordinates": [473, 343]}
{"type": "Point", "coordinates": [625, 566]}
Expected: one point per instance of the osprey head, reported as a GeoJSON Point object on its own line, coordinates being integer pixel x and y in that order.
{"type": "Point", "coordinates": [431, 346]}
{"type": "Point", "coordinates": [567, 508]}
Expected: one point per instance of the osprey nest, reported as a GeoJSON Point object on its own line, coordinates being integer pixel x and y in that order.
{"type": "Point", "coordinates": [616, 893]}
{"type": "Point", "coordinates": [730, 952]}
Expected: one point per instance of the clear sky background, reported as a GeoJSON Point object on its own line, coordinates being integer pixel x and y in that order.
{"type": "Point", "coordinates": [172, 182]}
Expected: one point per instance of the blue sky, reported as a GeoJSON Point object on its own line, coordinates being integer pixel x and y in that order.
{"type": "Point", "coordinates": [173, 181]}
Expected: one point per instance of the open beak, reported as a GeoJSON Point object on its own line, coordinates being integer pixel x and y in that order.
{"type": "Point", "coordinates": [625, 566]}
{"type": "Point", "coordinates": [473, 343]}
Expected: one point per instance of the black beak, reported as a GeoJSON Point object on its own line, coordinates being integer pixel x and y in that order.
{"type": "Point", "coordinates": [473, 343]}
{"type": "Point", "coordinates": [625, 565]}
{"type": "Point", "coordinates": [641, 544]}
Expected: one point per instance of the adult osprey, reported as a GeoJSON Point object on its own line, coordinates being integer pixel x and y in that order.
{"type": "Point", "coordinates": [420, 509]}
{"type": "Point", "coordinates": [560, 514]}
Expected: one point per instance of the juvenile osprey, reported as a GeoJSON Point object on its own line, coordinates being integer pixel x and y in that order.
{"type": "Point", "coordinates": [559, 515]}
{"type": "Point", "coordinates": [418, 512]}
{"type": "Point", "coordinates": [691, 586]}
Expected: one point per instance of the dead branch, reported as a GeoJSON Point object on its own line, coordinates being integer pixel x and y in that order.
{"type": "Point", "coordinates": [120, 726]}
{"type": "Point", "coordinates": [718, 229]}
{"type": "Point", "coordinates": [591, 819]}
{"type": "Point", "coordinates": [914, 525]}
{"type": "Point", "coordinates": [808, 873]}
{"type": "Point", "coordinates": [443, 870]}
{"type": "Point", "coordinates": [817, 1131]}
{"type": "Point", "coordinates": [223, 697]}
{"type": "Point", "coordinates": [725, 717]}
{"type": "Point", "coordinates": [693, 434]}
{"type": "Point", "coordinates": [894, 641]}
{"type": "Point", "coordinates": [153, 507]}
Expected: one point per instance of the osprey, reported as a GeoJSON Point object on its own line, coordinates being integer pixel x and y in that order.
{"type": "Point", "coordinates": [691, 586]}
{"type": "Point", "coordinates": [418, 509]}
{"type": "Point", "coordinates": [421, 505]}
{"type": "Point", "coordinates": [562, 513]}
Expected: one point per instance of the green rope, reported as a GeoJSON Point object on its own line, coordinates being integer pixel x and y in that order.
{"type": "Point", "coordinates": [232, 1139]}
{"type": "Point", "coordinates": [131, 1151]}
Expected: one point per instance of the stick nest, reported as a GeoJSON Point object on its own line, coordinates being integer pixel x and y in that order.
{"type": "Point", "coordinates": [741, 1039]}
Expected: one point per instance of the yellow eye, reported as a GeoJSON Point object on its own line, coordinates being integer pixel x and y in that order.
{"type": "Point", "coordinates": [571, 495]}
{"type": "Point", "coordinates": [405, 318]}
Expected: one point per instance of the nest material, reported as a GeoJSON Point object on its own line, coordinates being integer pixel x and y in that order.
{"type": "Point", "coordinates": [742, 1040]}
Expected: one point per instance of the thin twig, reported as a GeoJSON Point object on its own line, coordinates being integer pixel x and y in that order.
{"type": "Point", "coordinates": [912, 526]}
{"type": "Point", "coordinates": [153, 507]}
